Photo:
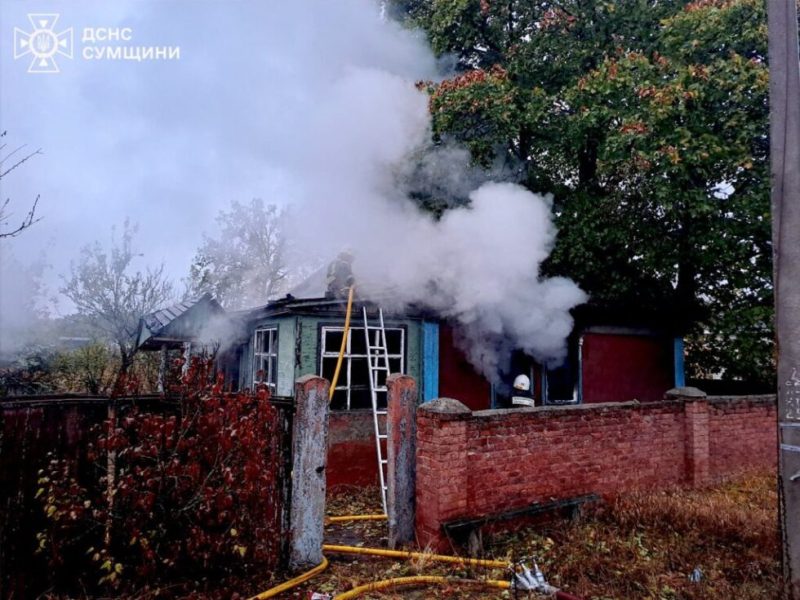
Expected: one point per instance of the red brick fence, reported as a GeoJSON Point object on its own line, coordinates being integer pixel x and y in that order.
{"type": "Point", "coordinates": [472, 464]}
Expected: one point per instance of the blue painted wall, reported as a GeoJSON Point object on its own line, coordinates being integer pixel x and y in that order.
{"type": "Point", "coordinates": [680, 369]}
{"type": "Point", "coordinates": [430, 361]}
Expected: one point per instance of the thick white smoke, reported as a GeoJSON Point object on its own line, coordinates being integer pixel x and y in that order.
{"type": "Point", "coordinates": [478, 265]}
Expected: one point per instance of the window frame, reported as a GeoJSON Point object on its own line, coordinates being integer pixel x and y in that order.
{"type": "Point", "coordinates": [347, 360]}
{"type": "Point", "coordinates": [270, 377]}
{"type": "Point", "coordinates": [577, 393]}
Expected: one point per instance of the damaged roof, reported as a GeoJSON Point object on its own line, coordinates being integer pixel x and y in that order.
{"type": "Point", "coordinates": [176, 324]}
{"type": "Point", "coordinates": [314, 286]}
{"type": "Point", "coordinates": [325, 292]}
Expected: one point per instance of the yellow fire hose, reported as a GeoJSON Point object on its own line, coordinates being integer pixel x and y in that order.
{"type": "Point", "coordinates": [348, 518]}
{"type": "Point", "coordinates": [386, 583]}
{"type": "Point", "coordinates": [417, 580]}
{"type": "Point", "coordinates": [287, 585]}
{"type": "Point", "coordinates": [344, 344]}
{"type": "Point", "coordinates": [399, 581]}
{"type": "Point", "coordinates": [456, 560]}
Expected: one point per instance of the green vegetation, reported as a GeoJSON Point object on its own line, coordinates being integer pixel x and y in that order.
{"type": "Point", "coordinates": [648, 122]}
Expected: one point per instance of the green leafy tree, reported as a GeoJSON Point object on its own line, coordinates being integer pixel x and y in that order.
{"type": "Point", "coordinates": [648, 121]}
{"type": "Point", "coordinates": [89, 369]}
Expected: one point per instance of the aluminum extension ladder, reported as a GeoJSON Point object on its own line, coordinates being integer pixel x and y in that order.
{"type": "Point", "coordinates": [378, 362]}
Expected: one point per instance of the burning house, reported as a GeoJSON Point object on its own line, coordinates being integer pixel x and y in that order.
{"type": "Point", "coordinates": [608, 359]}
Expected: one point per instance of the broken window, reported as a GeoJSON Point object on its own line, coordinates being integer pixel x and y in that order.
{"type": "Point", "coordinates": [352, 388]}
{"type": "Point", "coordinates": [265, 357]}
{"type": "Point", "coordinates": [561, 384]}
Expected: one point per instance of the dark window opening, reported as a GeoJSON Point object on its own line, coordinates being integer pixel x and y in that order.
{"type": "Point", "coordinates": [352, 388]}
{"type": "Point", "coordinates": [561, 383]}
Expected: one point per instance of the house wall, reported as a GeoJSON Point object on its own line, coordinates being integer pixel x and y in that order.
{"type": "Point", "coordinates": [286, 355]}
{"type": "Point", "coordinates": [308, 330]}
{"type": "Point", "coordinates": [618, 367]}
{"type": "Point", "coordinates": [457, 377]}
{"type": "Point", "coordinates": [473, 464]}
{"type": "Point", "coordinates": [352, 459]}
{"type": "Point", "coordinates": [286, 358]}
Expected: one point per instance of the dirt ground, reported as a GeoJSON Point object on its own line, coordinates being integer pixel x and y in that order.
{"type": "Point", "coordinates": [643, 545]}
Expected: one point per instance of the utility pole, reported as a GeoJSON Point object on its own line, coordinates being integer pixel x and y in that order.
{"type": "Point", "coordinates": [784, 93]}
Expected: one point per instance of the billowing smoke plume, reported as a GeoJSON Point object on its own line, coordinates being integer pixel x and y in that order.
{"type": "Point", "coordinates": [311, 105]}
{"type": "Point", "coordinates": [478, 265]}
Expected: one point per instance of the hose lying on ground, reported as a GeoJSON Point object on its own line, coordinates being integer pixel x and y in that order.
{"type": "Point", "coordinates": [347, 518]}
{"type": "Point", "coordinates": [418, 580]}
{"type": "Point", "coordinates": [434, 580]}
{"type": "Point", "coordinates": [457, 560]}
{"type": "Point", "coordinates": [287, 585]}
{"type": "Point", "coordinates": [405, 581]}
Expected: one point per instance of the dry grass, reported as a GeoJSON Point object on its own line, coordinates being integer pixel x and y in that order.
{"type": "Point", "coordinates": [641, 546]}
{"type": "Point", "coordinates": [645, 545]}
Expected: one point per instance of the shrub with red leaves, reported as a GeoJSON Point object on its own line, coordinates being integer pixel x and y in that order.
{"type": "Point", "coordinates": [185, 495]}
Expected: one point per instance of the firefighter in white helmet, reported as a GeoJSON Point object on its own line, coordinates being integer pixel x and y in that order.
{"type": "Point", "coordinates": [523, 396]}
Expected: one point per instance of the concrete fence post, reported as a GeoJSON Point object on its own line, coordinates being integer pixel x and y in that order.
{"type": "Point", "coordinates": [309, 458]}
{"type": "Point", "coordinates": [402, 456]}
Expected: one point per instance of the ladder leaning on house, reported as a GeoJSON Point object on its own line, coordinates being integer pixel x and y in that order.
{"type": "Point", "coordinates": [378, 364]}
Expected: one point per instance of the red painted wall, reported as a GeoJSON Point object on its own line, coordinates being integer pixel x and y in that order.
{"type": "Point", "coordinates": [626, 367]}
{"type": "Point", "coordinates": [457, 378]}
{"type": "Point", "coordinates": [475, 464]}
{"type": "Point", "coordinates": [352, 459]}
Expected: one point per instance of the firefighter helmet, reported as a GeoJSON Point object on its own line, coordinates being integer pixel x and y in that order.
{"type": "Point", "coordinates": [522, 383]}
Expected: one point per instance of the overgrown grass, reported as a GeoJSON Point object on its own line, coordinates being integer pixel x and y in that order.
{"type": "Point", "coordinates": [645, 545]}
{"type": "Point", "coordinates": [641, 546]}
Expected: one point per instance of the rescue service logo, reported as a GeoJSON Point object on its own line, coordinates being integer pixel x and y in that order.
{"type": "Point", "coordinates": [43, 43]}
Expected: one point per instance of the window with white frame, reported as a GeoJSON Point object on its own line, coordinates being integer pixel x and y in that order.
{"type": "Point", "coordinates": [352, 389]}
{"type": "Point", "coordinates": [265, 356]}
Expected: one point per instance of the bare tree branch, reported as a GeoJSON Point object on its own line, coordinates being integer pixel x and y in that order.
{"type": "Point", "coordinates": [244, 263]}
{"type": "Point", "coordinates": [26, 222]}
{"type": "Point", "coordinates": [106, 291]}
{"type": "Point", "coordinates": [21, 161]}
{"type": "Point", "coordinates": [30, 217]}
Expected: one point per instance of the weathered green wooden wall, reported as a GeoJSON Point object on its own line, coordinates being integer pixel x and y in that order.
{"type": "Point", "coordinates": [309, 337]}
{"type": "Point", "coordinates": [299, 347]}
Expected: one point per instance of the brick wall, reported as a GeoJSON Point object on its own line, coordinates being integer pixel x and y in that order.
{"type": "Point", "coordinates": [471, 464]}
{"type": "Point", "coordinates": [737, 428]}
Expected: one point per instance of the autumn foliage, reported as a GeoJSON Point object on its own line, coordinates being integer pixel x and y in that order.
{"type": "Point", "coordinates": [176, 498]}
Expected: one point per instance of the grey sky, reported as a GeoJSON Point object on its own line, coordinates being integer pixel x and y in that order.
{"type": "Point", "coordinates": [169, 143]}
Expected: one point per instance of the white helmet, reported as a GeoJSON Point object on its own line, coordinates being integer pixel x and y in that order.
{"type": "Point", "coordinates": [522, 383]}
